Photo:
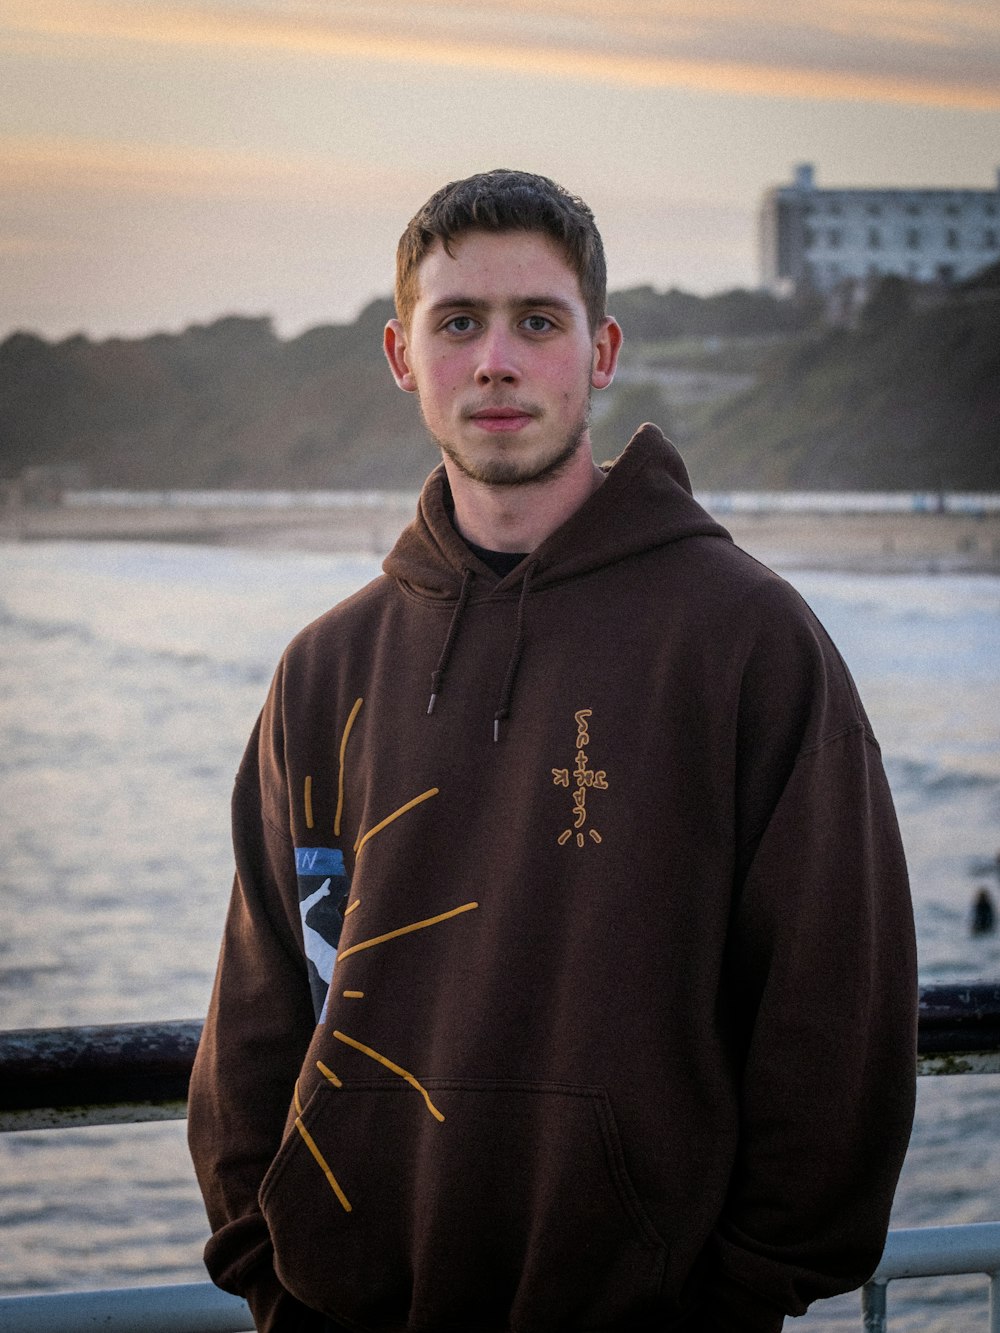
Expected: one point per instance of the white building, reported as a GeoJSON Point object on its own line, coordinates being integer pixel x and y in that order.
{"type": "Point", "coordinates": [811, 237]}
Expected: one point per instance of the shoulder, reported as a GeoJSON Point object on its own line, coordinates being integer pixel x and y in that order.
{"type": "Point", "coordinates": [716, 579]}
{"type": "Point", "coordinates": [791, 672]}
{"type": "Point", "coordinates": [341, 625]}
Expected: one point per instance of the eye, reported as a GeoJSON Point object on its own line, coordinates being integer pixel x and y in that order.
{"type": "Point", "coordinates": [460, 324]}
{"type": "Point", "coordinates": [537, 324]}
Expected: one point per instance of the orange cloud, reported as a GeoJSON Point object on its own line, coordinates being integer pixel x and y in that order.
{"type": "Point", "coordinates": [41, 166]}
{"type": "Point", "coordinates": [925, 52]}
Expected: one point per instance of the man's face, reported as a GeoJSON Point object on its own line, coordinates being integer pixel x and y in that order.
{"type": "Point", "coordinates": [502, 357]}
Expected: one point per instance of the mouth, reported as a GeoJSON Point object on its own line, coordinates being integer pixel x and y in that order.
{"type": "Point", "coordinates": [500, 419]}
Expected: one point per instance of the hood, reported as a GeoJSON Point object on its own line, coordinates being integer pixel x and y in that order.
{"type": "Point", "coordinates": [648, 482]}
{"type": "Point", "coordinates": [644, 503]}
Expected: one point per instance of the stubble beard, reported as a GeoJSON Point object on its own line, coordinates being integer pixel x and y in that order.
{"type": "Point", "coordinates": [513, 471]}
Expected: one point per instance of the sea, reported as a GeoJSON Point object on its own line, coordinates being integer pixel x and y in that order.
{"type": "Point", "coordinates": [130, 677]}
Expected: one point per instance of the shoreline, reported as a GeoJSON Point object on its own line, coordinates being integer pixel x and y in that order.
{"type": "Point", "coordinates": [945, 543]}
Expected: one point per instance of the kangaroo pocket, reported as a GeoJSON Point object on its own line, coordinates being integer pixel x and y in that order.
{"type": "Point", "coordinates": [468, 1204]}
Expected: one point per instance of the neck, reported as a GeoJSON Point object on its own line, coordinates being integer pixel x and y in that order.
{"type": "Point", "coordinates": [519, 518]}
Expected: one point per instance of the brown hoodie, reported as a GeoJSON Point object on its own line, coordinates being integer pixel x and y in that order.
{"type": "Point", "coordinates": [621, 1029]}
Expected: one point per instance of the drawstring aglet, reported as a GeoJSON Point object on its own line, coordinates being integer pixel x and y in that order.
{"type": "Point", "coordinates": [435, 686]}
{"type": "Point", "coordinates": [496, 729]}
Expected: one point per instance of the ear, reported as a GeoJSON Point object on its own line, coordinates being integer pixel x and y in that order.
{"type": "Point", "coordinates": [607, 345]}
{"type": "Point", "coordinates": [394, 343]}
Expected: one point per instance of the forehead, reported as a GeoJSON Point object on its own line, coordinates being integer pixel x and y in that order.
{"type": "Point", "coordinates": [497, 268]}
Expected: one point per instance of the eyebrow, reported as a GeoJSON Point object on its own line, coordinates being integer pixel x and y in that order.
{"type": "Point", "coordinates": [460, 302]}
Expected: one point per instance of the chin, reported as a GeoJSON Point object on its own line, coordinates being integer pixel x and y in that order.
{"type": "Point", "coordinates": [511, 471]}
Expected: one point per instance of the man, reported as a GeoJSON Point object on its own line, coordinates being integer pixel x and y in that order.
{"type": "Point", "coordinates": [620, 1031]}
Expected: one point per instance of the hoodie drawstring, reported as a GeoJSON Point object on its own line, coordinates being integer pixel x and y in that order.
{"type": "Point", "coordinates": [437, 676]}
{"type": "Point", "coordinates": [506, 694]}
{"type": "Point", "coordinates": [507, 690]}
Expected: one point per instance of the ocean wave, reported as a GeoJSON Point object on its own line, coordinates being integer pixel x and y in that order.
{"type": "Point", "coordinates": [41, 631]}
{"type": "Point", "coordinates": [933, 780]}
{"type": "Point", "coordinates": [132, 656]}
{"type": "Point", "coordinates": [24, 977]}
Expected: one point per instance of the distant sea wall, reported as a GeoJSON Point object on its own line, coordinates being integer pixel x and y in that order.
{"type": "Point", "coordinates": [891, 531]}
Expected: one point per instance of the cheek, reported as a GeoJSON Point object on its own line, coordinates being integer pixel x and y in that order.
{"type": "Point", "coordinates": [444, 376]}
{"type": "Point", "coordinates": [572, 374]}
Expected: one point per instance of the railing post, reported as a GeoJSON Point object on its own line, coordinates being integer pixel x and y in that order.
{"type": "Point", "coordinates": [873, 1307]}
{"type": "Point", "coordinates": [995, 1302]}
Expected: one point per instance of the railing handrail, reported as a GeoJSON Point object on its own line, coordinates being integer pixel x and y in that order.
{"type": "Point", "coordinates": [198, 1307]}
{"type": "Point", "coordinates": [120, 1072]}
{"type": "Point", "coordinates": [140, 1071]}
{"type": "Point", "coordinates": [934, 1252]}
{"type": "Point", "coordinates": [184, 1307]}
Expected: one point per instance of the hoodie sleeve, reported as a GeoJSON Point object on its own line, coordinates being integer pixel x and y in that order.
{"type": "Point", "coordinates": [258, 1027]}
{"type": "Point", "coordinates": [824, 955]}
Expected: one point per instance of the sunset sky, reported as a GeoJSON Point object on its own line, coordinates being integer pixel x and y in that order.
{"type": "Point", "coordinates": [164, 162]}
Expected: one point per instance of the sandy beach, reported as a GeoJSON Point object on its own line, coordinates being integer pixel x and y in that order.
{"type": "Point", "coordinates": [893, 542]}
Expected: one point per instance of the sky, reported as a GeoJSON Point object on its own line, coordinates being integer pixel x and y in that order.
{"type": "Point", "coordinates": [167, 162]}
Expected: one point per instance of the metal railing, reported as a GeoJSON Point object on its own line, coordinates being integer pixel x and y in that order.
{"type": "Point", "coordinates": [133, 1072]}
{"type": "Point", "coordinates": [192, 1307]}
{"type": "Point", "coordinates": [934, 1252]}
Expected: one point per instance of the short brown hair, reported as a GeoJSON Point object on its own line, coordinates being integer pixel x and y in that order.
{"type": "Point", "coordinates": [505, 201]}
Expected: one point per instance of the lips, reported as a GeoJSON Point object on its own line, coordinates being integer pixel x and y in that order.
{"type": "Point", "coordinates": [501, 418]}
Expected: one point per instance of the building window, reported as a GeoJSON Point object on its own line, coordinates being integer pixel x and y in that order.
{"type": "Point", "coordinates": [913, 238]}
{"type": "Point", "coordinates": [874, 238]}
{"type": "Point", "coordinates": [809, 237]}
{"type": "Point", "coordinates": [835, 210]}
{"type": "Point", "coordinates": [952, 210]}
{"type": "Point", "coordinates": [951, 238]}
{"type": "Point", "coordinates": [913, 210]}
{"type": "Point", "coordinates": [990, 210]}
{"type": "Point", "coordinates": [833, 238]}
{"type": "Point", "coordinates": [989, 239]}
{"type": "Point", "coordinates": [874, 210]}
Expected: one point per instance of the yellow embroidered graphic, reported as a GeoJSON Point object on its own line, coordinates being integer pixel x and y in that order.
{"type": "Point", "coordinates": [584, 778]}
{"type": "Point", "coordinates": [404, 930]}
{"type": "Point", "coordinates": [363, 839]}
{"type": "Point", "coordinates": [424, 796]}
{"type": "Point", "coordinates": [403, 1073]}
{"type": "Point", "coordinates": [311, 1145]}
{"type": "Point", "coordinates": [328, 1074]}
{"type": "Point", "coordinates": [343, 750]}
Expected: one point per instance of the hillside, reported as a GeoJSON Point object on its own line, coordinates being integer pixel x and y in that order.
{"type": "Point", "coordinates": [909, 401]}
{"type": "Point", "coordinates": [227, 404]}
{"type": "Point", "coordinates": [753, 390]}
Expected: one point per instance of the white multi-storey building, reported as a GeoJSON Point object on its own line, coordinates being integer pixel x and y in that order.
{"type": "Point", "coordinates": [821, 239]}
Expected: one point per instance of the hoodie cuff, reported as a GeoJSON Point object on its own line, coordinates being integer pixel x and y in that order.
{"type": "Point", "coordinates": [275, 1310]}
{"type": "Point", "coordinates": [730, 1307]}
{"type": "Point", "coordinates": [240, 1259]}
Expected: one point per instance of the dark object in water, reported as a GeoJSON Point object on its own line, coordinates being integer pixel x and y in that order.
{"type": "Point", "coordinates": [984, 914]}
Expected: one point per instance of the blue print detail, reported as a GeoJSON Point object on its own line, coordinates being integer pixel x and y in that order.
{"type": "Point", "coordinates": [323, 892]}
{"type": "Point", "coordinates": [319, 861]}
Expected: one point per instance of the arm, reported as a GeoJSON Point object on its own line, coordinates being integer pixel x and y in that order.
{"type": "Point", "coordinates": [823, 961]}
{"type": "Point", "coordinates": [259, 1024]}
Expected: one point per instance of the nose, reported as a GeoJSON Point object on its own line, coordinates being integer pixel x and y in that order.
{"type": "Point", "coordinates": [497, 362]}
